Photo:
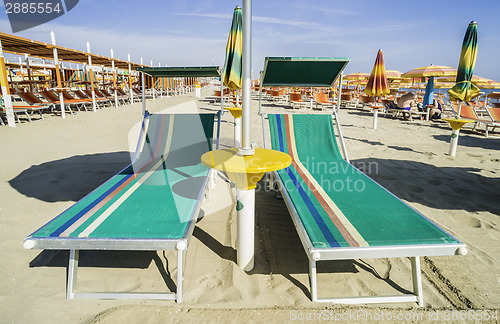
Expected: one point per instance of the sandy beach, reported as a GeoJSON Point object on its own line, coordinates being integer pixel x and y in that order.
{"type": "Point", "coordinates": [47, 165]}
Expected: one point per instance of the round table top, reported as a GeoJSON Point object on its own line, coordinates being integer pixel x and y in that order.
{"type": "Point", "coordinates": [457, 123]}
{"type": "Point", "coordinates": [235, 111]}
{"type": "Point", "coordinates": [264, 160]}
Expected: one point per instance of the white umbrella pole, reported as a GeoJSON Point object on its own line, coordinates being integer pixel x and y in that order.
{"type": "Point", "coordinates": [375, 117]}
{"type": "Point", "coordinates": [237, 132]}
{"type": "Point", "coordinates": [455, 133]}
{"type": "Point", "coordinates": [246, 146]}
{"type": "Point", "coordinates": [246, 228]}
{"type": "Point", "coordinates": [246, 197]}
{"type": "Point", "coordinates": [454, 142]}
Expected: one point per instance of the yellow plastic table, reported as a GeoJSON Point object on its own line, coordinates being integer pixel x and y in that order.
{"type": "Point", "coordinates": [456, 124]}
{"type": "Point", "coordinates": [245, 171]}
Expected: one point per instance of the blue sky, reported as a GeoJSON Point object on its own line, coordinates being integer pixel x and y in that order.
{"type": "Point", "coordinates": [188, 33]}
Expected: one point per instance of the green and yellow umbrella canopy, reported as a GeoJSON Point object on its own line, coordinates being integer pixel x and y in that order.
{"type": "Point", "coordinates": [377, 83]}
{"type": "Point", "coordinates": [464, 90]}
{"type": "Point", "coordinates": [233, 65]}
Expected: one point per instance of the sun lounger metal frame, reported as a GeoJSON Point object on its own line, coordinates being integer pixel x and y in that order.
{"type": "Point", "coordinates": [74, 244]}
{"type": "Point", "coordinates": [414, 252]}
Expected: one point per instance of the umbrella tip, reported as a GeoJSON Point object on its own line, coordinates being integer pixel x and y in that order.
{"type": "Point", "coordinates": [473, 22]}
{"type": "Point", "coordinates": [237, 7]}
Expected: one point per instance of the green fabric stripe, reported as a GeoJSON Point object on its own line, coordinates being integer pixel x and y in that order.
{"type": "Point", "coordinates": [316, 236]}
{"type": "Point", "coordinates": [162, 205]}
{"type": "Point", "coordinates": [380, 218]}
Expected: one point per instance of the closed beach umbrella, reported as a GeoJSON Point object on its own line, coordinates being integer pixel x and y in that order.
{"type": "Point", "coordinates": [429, 93]}
{"type": "Point", "coordinates": [233, 68]}
{"type": "Point", "coordinates": [233, 65]}
{"type": "Point", "coordinates": [464, 90]}
{"type": "Point", "coordinates": [377, 83]}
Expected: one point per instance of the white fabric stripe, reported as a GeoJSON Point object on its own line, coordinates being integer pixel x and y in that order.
{"type": "Point", "coordinates": [350, 228]}
{"type": "Point", "coordinates": [91, 228]}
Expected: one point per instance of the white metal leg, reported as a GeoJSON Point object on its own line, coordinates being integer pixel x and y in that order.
{"type": "Point", "coordinates": [417, 280]}
{"type": "Point", "coordinates": [180, 276]}
{"type": "Point", "coordinates": [72, 279]}
{"type": "Point", "coordinates": [417, 295]}
{"type": "Point", "coordinates": [312, 278]}
{"type": "Point", "coordinates": [72, 273]}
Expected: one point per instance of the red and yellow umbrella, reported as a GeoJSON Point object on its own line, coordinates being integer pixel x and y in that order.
{"type": "Point", "coordinates": [377, 83]}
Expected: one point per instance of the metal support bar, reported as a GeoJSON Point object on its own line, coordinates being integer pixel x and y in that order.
{"type": "Point", "coordinates": [72, 273]}
{"type": "Point", "coordinates": [180, 276]}
{"type": "Point", "coordinates": [405, 298]}
{"type": "Point", "coordinates": [417, 280]}
{"type": "Point", "coordinates": [72, 279]}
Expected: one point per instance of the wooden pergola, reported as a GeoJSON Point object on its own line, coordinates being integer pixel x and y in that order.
{"type": "Point", "coordinates": [18, 45]}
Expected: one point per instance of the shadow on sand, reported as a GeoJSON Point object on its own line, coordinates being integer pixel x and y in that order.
{"type": "Point", "coordinates": [69, 179]}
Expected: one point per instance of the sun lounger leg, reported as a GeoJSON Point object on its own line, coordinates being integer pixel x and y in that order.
{"type": "Point", "coordinates": [312, 278]}
{"type": "Point", "coordinates": [417, 280]}
{"type": "Point", "coordinates": [72, 273]}
{"type": "Point", "coordinates": [179, 276]}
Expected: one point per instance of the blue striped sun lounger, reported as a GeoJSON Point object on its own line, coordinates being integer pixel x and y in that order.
{"type": "Point", "coordinates": [338, 222]}
{"type": "Point", "coordinates": [152, 204]}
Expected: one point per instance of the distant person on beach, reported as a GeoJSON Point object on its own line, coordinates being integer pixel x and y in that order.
{"type": "Point", "coordinates": [407, 102]}
{"type": "Point", "coordinates": [435, 110]}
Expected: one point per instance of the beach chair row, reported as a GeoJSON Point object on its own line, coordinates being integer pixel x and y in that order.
{"type": "Point", "coordinates": [27, 104]}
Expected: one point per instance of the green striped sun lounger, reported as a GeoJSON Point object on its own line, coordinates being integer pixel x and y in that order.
{"type": "Point", "coordinates": [151, 205]}
{"type": "Point", "coordinates": [340, 213]}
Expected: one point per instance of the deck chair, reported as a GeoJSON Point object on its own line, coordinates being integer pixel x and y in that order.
{"type": "Point", "coordinates": [88, 94]}
{"type": "Point", "coordinates": [322, 100]}
{"type": "Point", "coordinates": [296, 100]}
{"type": "Point", "coordinates": [21, 110]}
{"type": "Point", "coordinates": [151, 205]}
{"type": "Point", "coordinates": [34, 101]}
{"type": "Point", "coordinates": [335, 222]}
{"type": "Point", "coordinates": [53, 98]}
{"type": "Point", "coordinates": [469, 113]}
{"type": "Point", "coordinates": [121, 98]}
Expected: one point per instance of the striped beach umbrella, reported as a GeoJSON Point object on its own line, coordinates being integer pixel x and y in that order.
{"type": "Point", "coordinates": [377, 83]}
{"type": "Point", "coordinates": [393, 75]}
{"type": "Point", "coordinates": [464, 90]}
{"type": "Point", "coordinates": [430, 70]}
{"type": "Point", "coordinates": [356, 76]}
{"type": "Point", "coordinates": [233, 64]}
